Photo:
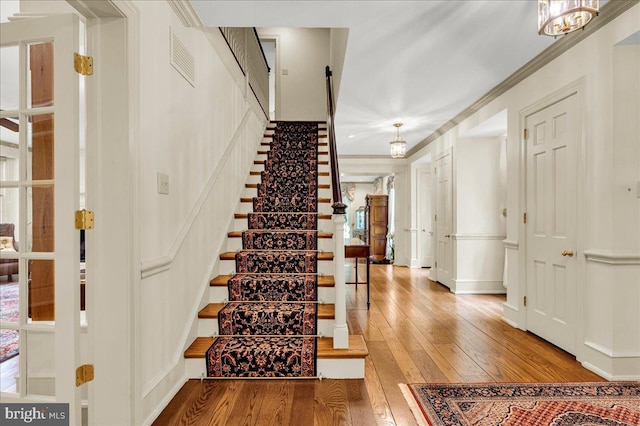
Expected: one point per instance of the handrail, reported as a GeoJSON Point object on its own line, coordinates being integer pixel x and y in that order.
{"type": "Point", "coordinates": [338, 206]}
{"type": "Point", "coordinates": [245, 45]}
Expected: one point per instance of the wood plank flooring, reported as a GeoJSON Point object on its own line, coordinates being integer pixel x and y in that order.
{"type": "Point", "coordinates": [416, 331]}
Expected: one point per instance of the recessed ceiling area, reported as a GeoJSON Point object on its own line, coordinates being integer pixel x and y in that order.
{"type": "Point", "coordinates": [416, 62]}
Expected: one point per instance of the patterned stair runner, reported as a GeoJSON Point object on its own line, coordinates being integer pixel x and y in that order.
{"type": "Point", "coordinates": [269, 326]}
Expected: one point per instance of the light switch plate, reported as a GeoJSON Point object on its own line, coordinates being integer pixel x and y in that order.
{"type": "Point", "coordinates": [163, 183]}
{"type": "Point", "coordinates": [285, 71]}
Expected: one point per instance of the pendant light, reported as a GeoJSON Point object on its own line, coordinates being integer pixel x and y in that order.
{"type": "Point", "coordinates": [398, 145]}
{"type": "Point", "coordinates": [558, 17]}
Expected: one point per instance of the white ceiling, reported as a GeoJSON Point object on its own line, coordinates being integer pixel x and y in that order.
{"type": "Point", "coordinates": [417, 62]}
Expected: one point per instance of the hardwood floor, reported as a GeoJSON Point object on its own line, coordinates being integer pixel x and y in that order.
{"type": "Point", "coordinates": [416, 331]}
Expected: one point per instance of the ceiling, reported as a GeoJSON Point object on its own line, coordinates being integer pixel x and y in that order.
{"type": "Point", "coordinates": [416, 62]}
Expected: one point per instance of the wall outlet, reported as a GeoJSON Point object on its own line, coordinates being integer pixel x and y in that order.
{"type": "Point", "coordinates": [163, 183]}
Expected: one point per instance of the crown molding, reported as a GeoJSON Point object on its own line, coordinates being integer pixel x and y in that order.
{"type": "Point", "coordinates": [608, 13]}
{"type": "Point", "coordinates": [185, 11]}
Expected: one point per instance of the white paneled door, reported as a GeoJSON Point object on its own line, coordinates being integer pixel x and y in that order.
{"type": "Point", "coordinates": [444, 218]}
{"type": "Point", "coordinates": [425, 218]}
{"type": "Point", "coordinates": [40, 108]}
{"type": "Point", "coordinates": [551, 144]}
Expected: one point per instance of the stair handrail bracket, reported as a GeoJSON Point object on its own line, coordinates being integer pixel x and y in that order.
{"type": "Point", "coordinates": [340, 328]}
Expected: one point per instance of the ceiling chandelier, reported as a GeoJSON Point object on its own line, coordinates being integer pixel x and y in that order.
{"type": "Point", "coordinates": [398, 145]}
{"type": "Point", "coordinates": [558, 17]}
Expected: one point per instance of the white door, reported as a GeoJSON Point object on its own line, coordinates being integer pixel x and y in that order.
{"type": "Point", "coordinates": [40, 102]}
{"type": "Point", "coordinates": [551, 222]}
{"type": "Point", "coordinates": [444, 218]}
{"type": "Point", "coordinates": [425, 215]}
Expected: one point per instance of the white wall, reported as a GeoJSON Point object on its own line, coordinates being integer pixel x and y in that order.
{"type": "Point", "coordinates": [304, 54]}
{"type": "Point", "coordinates": [205, 138]}
{"type": "Point", "coordinates": [338, 43]}
{"type": "Point", "coordinates": [608, 213]}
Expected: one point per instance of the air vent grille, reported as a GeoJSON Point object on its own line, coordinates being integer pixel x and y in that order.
{"type": "Point", "coordinates": [182, 60]}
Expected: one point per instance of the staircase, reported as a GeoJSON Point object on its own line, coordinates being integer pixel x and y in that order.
{"type": "Point", "coordinates": [274, 298]}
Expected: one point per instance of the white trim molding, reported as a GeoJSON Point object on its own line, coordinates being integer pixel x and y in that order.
{"type": "Point", "coordinates": [185, 11]}
{"type": "Point", "coordinates": [477, 287]}
{"type": "Point", "coordinates": [481, 237]}
{"type": "Point", "coordinates": [611, 257]}
{"type": "Point", "coordinates": [611, 353]}
{"type": "Point", "coordinates": [510, 244]}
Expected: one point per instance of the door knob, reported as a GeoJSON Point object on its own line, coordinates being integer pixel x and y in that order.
{"type": "Point", "coordinates": [567, 253]}
{"type": "Point", "coordinates": [447, 236]}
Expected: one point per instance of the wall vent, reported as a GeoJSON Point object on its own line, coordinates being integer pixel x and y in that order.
{"type": "Point", "coordinates": [182, 60]}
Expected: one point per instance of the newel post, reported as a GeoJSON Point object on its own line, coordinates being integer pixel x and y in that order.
{"type": "Point", "coordinates": [340, 329]}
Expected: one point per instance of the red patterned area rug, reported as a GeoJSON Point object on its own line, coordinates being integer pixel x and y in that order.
{"type": "Point", "coordinates": [525, 404]}
{"type": "Point", "coordinates": [9, 312]}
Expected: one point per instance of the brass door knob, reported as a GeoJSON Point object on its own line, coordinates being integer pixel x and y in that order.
{"type": "Point", "coordinates": [447, 236]}
{"type": "Point", "coordinates": [567, 253]}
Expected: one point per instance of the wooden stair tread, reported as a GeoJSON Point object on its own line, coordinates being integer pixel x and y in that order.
{"type": "Point", "coordinates": [263, 152]}
{"type": "Point", "coordinates": [357, 348]}
{"type": "Point", "coordinates": [199, 347]}
{"type": "Point", "coordinates": [325, 310]}
{"type": "Point", "coordinates": [320, 162]}
{"type": "Point", "coordinates": [238, 234]}
{"type": "Point", "coordinates": [269, 143]}
{"type": "Point", "coordinates": [246, 215]}
{"type": "Point", "coordinates": [259, 173]}
{"type": "Point", "coordinates": [320, 186]}
{"type": "Point", "coordinates": [323, 200]}
{"type": "Point", "coordinates": [211, 310]}
{"type": "Point", "coordinates": [323, 281]}
{"type": "Point", "coordinates": [231, 255]}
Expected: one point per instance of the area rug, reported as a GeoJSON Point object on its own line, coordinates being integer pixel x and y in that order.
{"type": "Point", "coordinates": [525, 404]}
{"type": "Point", "coordinates": [9, 311]}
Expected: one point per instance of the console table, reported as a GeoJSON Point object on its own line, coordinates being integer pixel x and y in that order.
{"type": "Point", "coordinates": [355, 248]}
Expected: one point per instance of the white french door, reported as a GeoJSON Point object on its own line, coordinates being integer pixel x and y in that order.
{"type": "Point", "coordinates": [40, 104]}
{"type": "Point", "coordinates": [444, 218]}
{"type": "Point", "coordinates": [551, 222]}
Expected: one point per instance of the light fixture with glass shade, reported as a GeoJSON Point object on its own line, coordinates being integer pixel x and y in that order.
{"type": "Point", "coordinates": [558, 17]}
{"type": "Point", "coordinates": [398, 145]}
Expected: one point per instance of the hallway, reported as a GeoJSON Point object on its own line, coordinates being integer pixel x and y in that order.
{"type": "Point", "coordinates": [416, 331]}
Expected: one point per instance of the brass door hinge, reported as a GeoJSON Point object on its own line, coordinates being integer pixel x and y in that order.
{"type": "Point", "coordinates": [525, 301]}
{"type": "Point", "coordinates": [435, 218]}
{"type": "Point", "coordinates": [526, 134]}
{"type": "Point", "coordinates": [83, 64]}
{"type": "Point", "coordinates": [84, 374]}
{"type": "Point", "coordinates": [436, 264]}
{"type": "Point", "coordinates": [524, 218]}
{"type": "Point", "coordinates": [84, 219]}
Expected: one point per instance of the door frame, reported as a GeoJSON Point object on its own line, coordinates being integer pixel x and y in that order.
{"type": "Point", "coordinates": [576, 88]}
{"type": "Point", "coordinates": [435, 204]}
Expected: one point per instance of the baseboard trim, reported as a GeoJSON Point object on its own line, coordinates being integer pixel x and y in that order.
{"type": "Point", "coordinates": [478, 287]}
{"type": "Point", "coordinates": [610, 353]}
{"type": "Point", "coordinates": [166, 400]}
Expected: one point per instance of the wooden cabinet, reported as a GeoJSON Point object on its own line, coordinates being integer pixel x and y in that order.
{"type": "Point", "coordinates": [377, 225]}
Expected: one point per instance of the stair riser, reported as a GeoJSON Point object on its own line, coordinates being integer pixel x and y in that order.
{"type": "Point", "coordinates": [325, 267]}
{"type": "Point", "coordinates": [220, 294]}
{"type": "Point", "coordinates": [322, 193]}
{"type": "Point", "coordinates": [209, 326]}
{"type": "Point", "coordinates": [323, 208]}
{"type": "Point", "coordinates": [329, 368]}
{"type": "Point", "coordinates": [324, 225]}
{"type": "Point", "coordinates": [322, 180]}
{"type": "Point", "coordinates": [235, 244]}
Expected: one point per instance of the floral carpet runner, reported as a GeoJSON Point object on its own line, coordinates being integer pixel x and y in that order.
{"type": "Point", "coordinates": [269, 326]}
{"type": "Point", "coordinates": [525, 404]}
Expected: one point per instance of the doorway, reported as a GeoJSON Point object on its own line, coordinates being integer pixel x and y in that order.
{"type": "Point", "coordinates": [551, 140]}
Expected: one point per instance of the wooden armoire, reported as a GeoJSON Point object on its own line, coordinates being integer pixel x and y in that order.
{"type": "Point", "coordinates": [376, 217]}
